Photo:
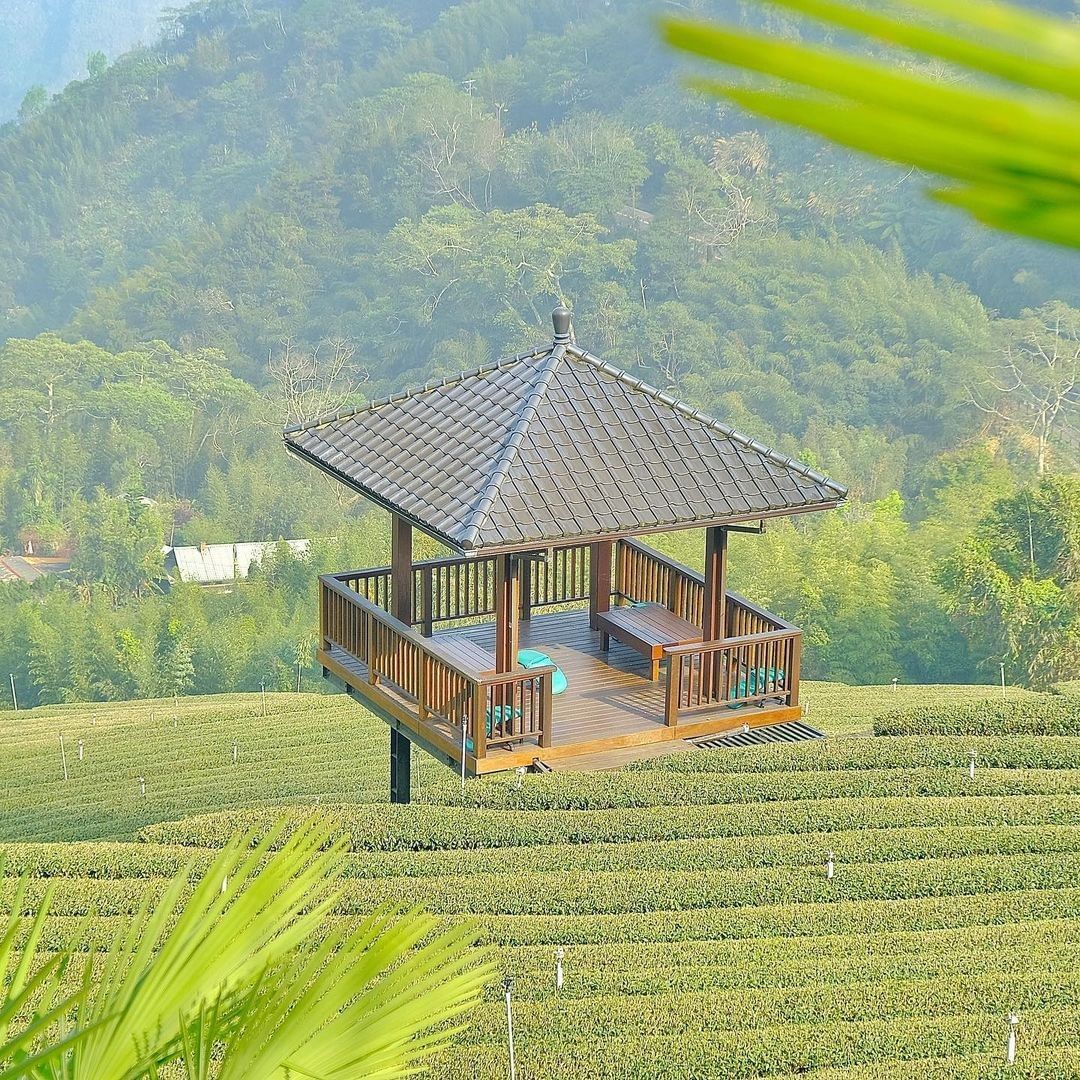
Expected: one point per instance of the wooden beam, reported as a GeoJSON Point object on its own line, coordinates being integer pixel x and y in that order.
{"type": "Point", "coordinates": [599, 580]}
{"type": "Point", "coordinates": [714, 610]}
{"type": "Point", "coordinates": [507, 612]}
{"type": "Point", "coordinates": [401, 574]}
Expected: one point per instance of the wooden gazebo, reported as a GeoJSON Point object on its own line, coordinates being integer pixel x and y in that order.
{"type": "Point", "coordinates": [539, 472]}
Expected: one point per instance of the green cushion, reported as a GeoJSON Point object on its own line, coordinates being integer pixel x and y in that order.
{"type": "Point", "coordinates": [495, 716]}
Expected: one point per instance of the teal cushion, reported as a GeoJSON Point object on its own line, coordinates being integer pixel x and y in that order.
{"type": "Point", "coordinates": [530, 658]}
{"type": "Point", "coordinates": [749, 685]}
{"type": "Point", "coordinates": [495, 716]}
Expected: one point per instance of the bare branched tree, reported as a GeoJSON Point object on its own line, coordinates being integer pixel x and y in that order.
{"type": "Point", "coordinates": [1036, 387]}
{"type": "Point", "coordinates": [314, 383]}
{"type": "Point", "coordinates": [715, 224]}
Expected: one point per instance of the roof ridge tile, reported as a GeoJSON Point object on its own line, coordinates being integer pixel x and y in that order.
{"type": "Point", "coordinates": [511, 446]}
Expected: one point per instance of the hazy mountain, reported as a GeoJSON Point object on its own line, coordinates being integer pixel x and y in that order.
{"type": "Point", "coordinates": [46, 42]}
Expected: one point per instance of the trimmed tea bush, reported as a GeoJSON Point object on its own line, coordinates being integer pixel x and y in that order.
{"type": "Point", "coordinates": [1035, 714]}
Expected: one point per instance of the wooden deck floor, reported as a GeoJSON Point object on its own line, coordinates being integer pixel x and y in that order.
{"type": "Point", "coordinates": [609, 708]}
{"type": "Point", "coordinates": [607, 694]}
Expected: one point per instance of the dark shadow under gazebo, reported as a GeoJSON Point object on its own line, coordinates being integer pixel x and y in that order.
{"type": "Point", "coordinates": [553, 631]}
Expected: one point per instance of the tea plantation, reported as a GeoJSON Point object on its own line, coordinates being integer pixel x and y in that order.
{"type": "Point", "coordinates": [700, 933]}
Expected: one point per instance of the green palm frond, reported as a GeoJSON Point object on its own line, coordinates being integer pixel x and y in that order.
{"type": "Point", "coordinates": [31, 1004]}
{"type": "Point", "coordinates": [370, 1000]}
{"type": "Point", "coordinates": [1012, 154]}
{"type": "Point", "coordinates": [238, 977]}
{"type": "Point", "coordinates": [250, 909]}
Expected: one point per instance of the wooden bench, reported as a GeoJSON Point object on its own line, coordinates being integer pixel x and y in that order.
{"type": "Point", "coordinates": [646, 629]}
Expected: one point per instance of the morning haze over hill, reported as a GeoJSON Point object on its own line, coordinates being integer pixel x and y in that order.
{"type": "Point", "coordinates": [450, 458]}
{"type": "Point", "coordinates": [47, 43]}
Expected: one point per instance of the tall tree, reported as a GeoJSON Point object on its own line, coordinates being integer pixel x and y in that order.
{"type": "Point", "coordinates": [1015, 583]}
{"type": "Point", "coordinates": [1036, 387]}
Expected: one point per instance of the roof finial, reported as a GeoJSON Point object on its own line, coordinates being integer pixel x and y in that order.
{"type": "Point", "coordinates": [560, 319]}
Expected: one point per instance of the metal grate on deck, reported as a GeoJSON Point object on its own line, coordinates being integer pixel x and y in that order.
{"type": "Point", "coordinates": [788, 732]}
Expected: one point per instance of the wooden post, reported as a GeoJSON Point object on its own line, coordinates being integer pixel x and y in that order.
{"type": "Point", "coordinates": [324, 636]}
{"type": "Point", "coordinates": [507, 612]}
{"type": "Point", "coordinates": [674, 688]}
{"type": "Point", "coordinates": [482, 701]}
{"type": "Point", "coordinates": [401, 572]}
{"type": "Point", "coordinates": [714, 607]}
{"type": "Point", "coordinates": [525, 571]}
{"type": "Point", "coordinates": [792, 674]}
{"type": "Point", "coordinates": [401, 607]}
{"type": "Point", "coordinates": [713, 626]}
{"type": "Point", "coordinates": [426, 601]}
{"type": "Point", "coordinates": [546, 724]}
{"type": "Point", "coordinates": [599, 580]}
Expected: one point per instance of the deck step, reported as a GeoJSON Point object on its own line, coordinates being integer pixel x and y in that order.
{"type": "Point", "coordinates": [787, 732]}
{"type": "Point", "coordinates": [604, 760]}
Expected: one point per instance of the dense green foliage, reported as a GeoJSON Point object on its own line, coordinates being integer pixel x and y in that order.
{"type": "Point", "coordinates": [288, 207]}
{"type": "Point", "coordinates": [700, 932]}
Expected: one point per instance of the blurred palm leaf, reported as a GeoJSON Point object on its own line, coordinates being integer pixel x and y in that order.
{"type": "Point", "coordinates": [243, 979]}
{"type": "Point", "coordinates": [31, 1005]}
{"type": "Point", "coordinates": [1012, 153]}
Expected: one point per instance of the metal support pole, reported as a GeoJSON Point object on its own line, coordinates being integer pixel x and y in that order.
{"type": "Point", "coordinates": [464, 741]}
{"type": "Point", "coordinates": [508, 990]}
{"type": "Point", "coordinates": [400, 766]}
{"type": "Point", "coordinates": [14, 698]}
{"type": "Point", "coordinates": [1010, 1045]}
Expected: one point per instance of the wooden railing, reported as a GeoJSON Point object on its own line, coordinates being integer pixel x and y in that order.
{"type": "Point", "coordinates": [456, 589]}
{"type": "Point", "coordinates": [643, 574]}
{"type": "Point", "coordinates": [754, 669]}
{"type": "Point", "coordinates": [485, 709]}
{"type": "Point", "coordinates": [757, 662]}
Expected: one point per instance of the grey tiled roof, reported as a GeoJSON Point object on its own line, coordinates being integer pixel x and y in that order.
{"type": "Point", "coordinates": [553, 445]}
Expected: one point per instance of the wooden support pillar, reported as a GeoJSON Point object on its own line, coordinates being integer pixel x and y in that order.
{"type": "Point", "coordinates": [507, 612]}
{"type": "Point", "coordinates": [525, 575]}
{"type": "Point", "coordinates": [400, 767]}
{"type": "Point", "coordinates": [599, 579]}
{"type": "Point", "coordinates": [714, 608]}
{"type": "Point", "coordinates": [401, 573]}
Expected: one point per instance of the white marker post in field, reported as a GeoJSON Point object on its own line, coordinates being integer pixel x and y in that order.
{"type": "Point", "coordinates": [1010, 1044]}
{"type": "Point", "coordinates": [508, 990]}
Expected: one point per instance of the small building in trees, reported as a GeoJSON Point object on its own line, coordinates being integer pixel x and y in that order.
{"type": "Point", "coordinates": [221, 564]}
{"type": "Point", "coordinates": [551, 631]}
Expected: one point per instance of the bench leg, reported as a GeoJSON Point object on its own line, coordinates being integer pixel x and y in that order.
{"type": "Point", "coordinates": [654, 670]}
{"type": "Point", "coordinates": [605, 641]}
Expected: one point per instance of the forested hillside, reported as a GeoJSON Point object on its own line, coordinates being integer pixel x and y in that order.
{"type": "Point", "coordinates": [287, 206]}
